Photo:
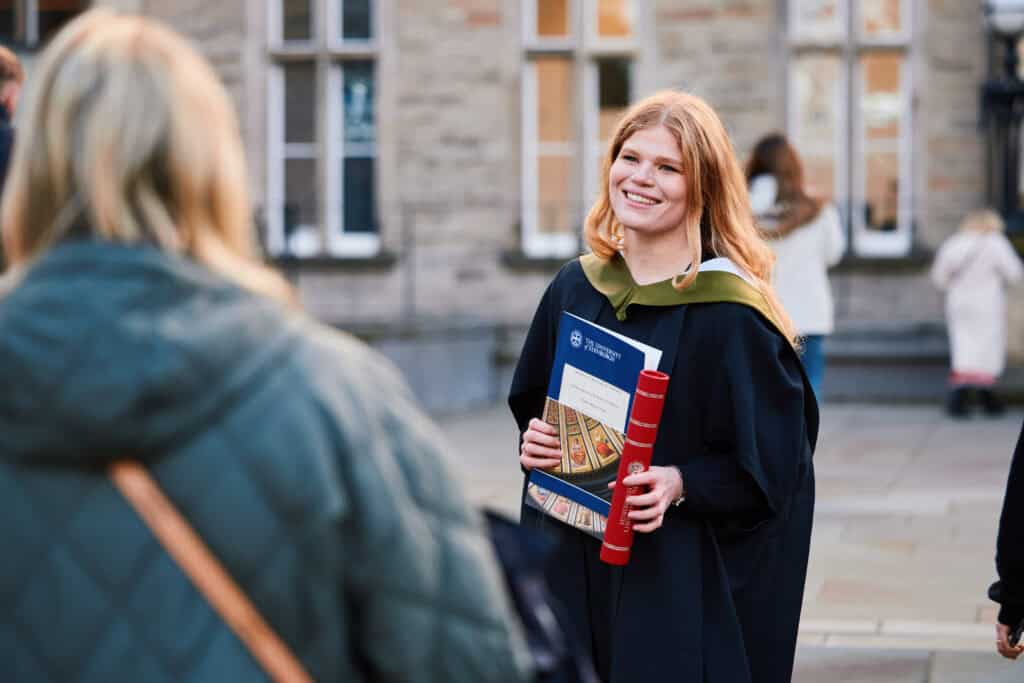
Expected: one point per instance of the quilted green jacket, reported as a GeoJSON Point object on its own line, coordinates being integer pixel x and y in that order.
{"type": "Point", "coordinates": [294, 451]}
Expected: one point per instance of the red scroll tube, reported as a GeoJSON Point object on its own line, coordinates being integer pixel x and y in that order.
{"type": "Point", "coordinates": [636, 457]}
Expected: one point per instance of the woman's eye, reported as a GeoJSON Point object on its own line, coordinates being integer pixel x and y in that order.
{"type": "Point", "coordinates": [628, 157]}
{"type": "Point", "coordinates": [669, 168]}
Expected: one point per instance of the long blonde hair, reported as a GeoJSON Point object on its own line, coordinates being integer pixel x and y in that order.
{"type": "Point", "coordinates": [718, 218]}
{"type": "Point", "coordinates": [128, 136]}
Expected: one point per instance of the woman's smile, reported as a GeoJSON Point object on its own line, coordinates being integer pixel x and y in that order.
{"type": "Point", "coordinates": [641, 199]}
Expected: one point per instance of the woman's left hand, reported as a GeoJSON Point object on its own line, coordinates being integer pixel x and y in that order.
{"type": "Point", "coordinates": [665, 484]}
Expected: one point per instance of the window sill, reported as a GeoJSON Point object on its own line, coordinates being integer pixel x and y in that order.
{"type": "Point", "coordinates": [384, 260]}
{"type": "Point", "coordinates": [917, 261]}
{"type": "Point", "coordinates": [518, 261]}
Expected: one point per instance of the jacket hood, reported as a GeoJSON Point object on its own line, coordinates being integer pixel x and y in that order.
{"type": "Point", "coordinates": [110, 351]}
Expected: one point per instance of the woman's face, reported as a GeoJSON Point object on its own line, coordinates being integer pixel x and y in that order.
{"type": "Point", "coordinates": [646, 182]}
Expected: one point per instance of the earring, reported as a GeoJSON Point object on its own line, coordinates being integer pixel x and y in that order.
{"type": "Point", "coordinates": [620, 241]}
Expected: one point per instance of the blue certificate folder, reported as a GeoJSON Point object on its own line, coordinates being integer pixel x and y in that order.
{"type": "Point", "coordinates": [590, 394]}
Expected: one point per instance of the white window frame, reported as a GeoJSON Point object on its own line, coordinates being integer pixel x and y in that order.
{"type": "Point", "coordinates": [796, 31]}
{"type": "Point", "coordinates": [867, 242]}
{"type": "Point", "coordinates": [329, 54]}
{"type": "Point", "coordinates": [583, 48]}
{"type": "Point", "coordinates": [850, 180]}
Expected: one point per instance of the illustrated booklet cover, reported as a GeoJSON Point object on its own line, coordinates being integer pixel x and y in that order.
{"type": "Point", "coordinates": [590, 394]}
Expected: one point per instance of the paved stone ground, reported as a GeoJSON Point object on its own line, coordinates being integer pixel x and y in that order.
{"type": "Point", "coordinates": [904, 538]}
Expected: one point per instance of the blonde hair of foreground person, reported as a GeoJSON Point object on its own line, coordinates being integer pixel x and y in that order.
{"type": "Point", "coordinates": [718, 215]}
{"type": "Point", "coordinates": [128, 136]}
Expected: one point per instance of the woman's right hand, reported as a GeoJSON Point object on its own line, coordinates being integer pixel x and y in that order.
{"type": "Point", "coordinates": [540, 447]}
{"type": "Point", "coordinates": [1003, 646]}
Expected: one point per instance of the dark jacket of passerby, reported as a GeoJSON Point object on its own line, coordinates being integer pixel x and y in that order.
{"type": "Point", "coordinates": [6, 143]}
{"type": "Point", "coordinates": [1008, 591]}
{"type": "Point", "coordinates": [294, 451]}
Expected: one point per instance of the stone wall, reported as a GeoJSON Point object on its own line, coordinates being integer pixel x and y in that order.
{"type": "Point", "coordinates": [729, 52]}
{"type": "Point", "coordinates": [449, 191]}
{"type": "Point", "coordinates": [449, 130]}
{"type": "Point", "coordinates": [952, 67]}
{"type": "Point", "coordinates": [450, 207]}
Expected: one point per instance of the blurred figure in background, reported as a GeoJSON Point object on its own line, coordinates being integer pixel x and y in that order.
{"type": "Point", "coordinates": [974, 266]}
{"type": "Point", "coordinates": [806, 236]}
{"type": "Point", "coordinates": [136, 323]}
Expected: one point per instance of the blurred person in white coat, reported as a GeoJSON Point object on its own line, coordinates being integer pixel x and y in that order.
{"type": "Point", "coordinates": [807, 238]}
{"type": "Point", "coordinates": [974, 266]}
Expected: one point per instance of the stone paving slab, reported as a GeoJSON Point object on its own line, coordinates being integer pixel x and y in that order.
{"type": "Point", "coordinates": [903, 544]}
{"type": "Point", "coordinates": [839, 665]}
{"type": "Point", "coordinates": [962, 667]}
{"type": "Point", "coordinates": [818, 665]}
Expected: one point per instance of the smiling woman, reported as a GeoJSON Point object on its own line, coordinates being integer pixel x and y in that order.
{"type": "Point", "coordinates": [715, 581]}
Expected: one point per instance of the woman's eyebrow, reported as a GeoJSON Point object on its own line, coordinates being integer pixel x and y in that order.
{"type": "Point", "coordinates": [658, 159]}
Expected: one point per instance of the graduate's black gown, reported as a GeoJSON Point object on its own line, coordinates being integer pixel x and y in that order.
{"type": "Point", "coordinates": [714, 595]}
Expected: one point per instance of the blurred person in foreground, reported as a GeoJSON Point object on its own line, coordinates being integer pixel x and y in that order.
{"type": "Point", "coordinates": [137, 324]}
{"type": "Point", "coordinates": [806, 236]}
{"type": "Point", "coordinates": [1008, 591]}
{"type": "Point", "coordinates": [974, 266]}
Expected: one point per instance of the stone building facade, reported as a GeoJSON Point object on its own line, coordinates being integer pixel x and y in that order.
{"type": "Point", "coordinates": [421, 167]}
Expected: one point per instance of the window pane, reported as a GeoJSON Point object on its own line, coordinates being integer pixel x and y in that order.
{"type": "Point", "coordinates": [555, 182]}
{"type": "Point", "coordinates": [359, 195]}
{"type": "Point", "coordinates": [882, 117]}
{"type": "Point", "coordinates": [296, 21]}
{"type": "Point", "coordinates": [299, 102]}
{"type": "Point", "coordinates": [881, 18]}
{"type": "Point", "coordinates": [554, 99]}
{"type": "Point", "coordinates": [55, 13]}
{"type": "Point", "coordinates": [615, 18]}
{"type": "Point", "coordinates": [555, 148]}
{"type": "Point", "coordinates": [817, 127]}
{"type": "Point", "coordinates": [817, 19]}
{"type": "Point", "coordinates": [553, 18]}
{"type": "Point", "coordinates": [301, 210]}
{"type": "Point", "coordinates": [360, 126]}
{"type": "Point", "coordinates": [356, 20]}
{"type": "Point", "coordinates": [613, 88]}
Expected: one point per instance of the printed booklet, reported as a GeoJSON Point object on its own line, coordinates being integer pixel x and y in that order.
{"type": "Point", "coordinates": [590, 394]}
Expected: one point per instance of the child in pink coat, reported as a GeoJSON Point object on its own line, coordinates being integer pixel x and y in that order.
{"type": "Point", "coordinates": [973, 267]}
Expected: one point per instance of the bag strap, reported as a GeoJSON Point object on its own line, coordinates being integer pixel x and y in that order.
{"type": "Point", "coordinates": [206, 573]}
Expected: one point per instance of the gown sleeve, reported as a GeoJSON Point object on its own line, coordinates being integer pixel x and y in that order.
{"type": "Point", "coordinates": [754, 429]}
{"type": "Point", "coordinates": [1008, 591]}
{"type": "Point", "coordinates": [530, 380]}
